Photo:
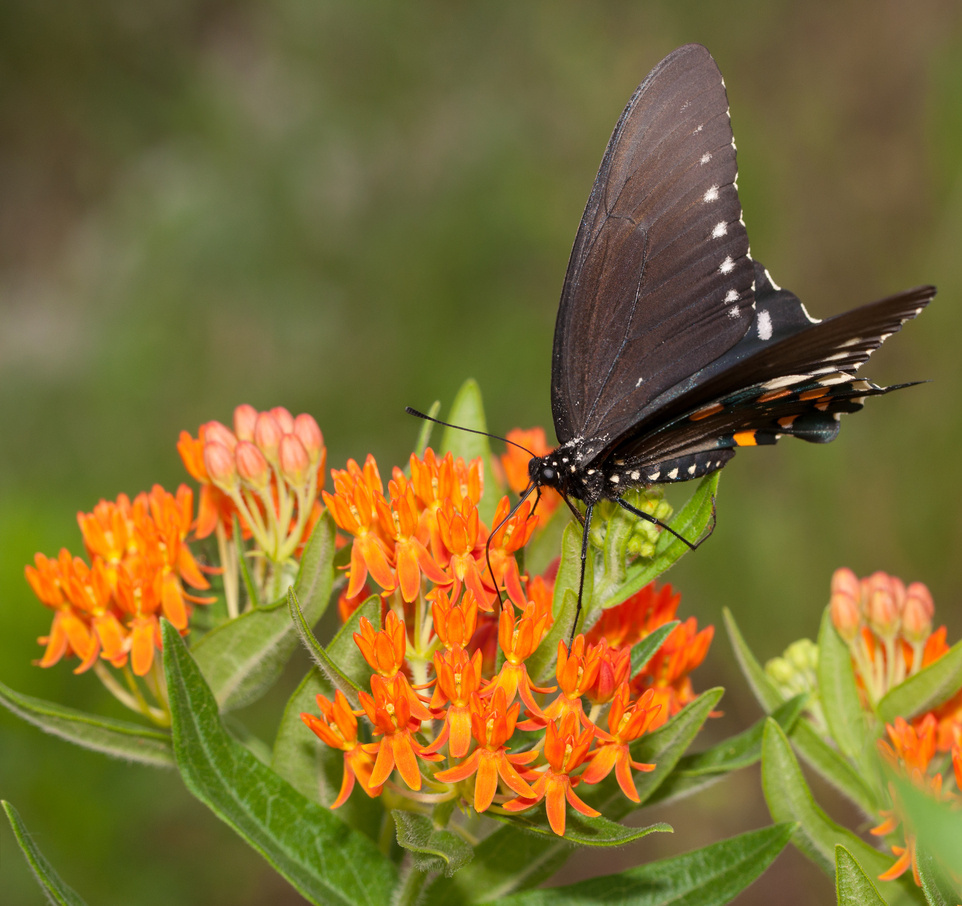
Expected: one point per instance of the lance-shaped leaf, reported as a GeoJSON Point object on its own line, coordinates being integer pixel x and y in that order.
{"type": "Point", "coordinates": [705, 877]}
{"type": "Point", "coordinates": [313, 768]}
{"type": "Point", "coordinates": [102, 734]}
{"type": "Point", "coordinates": [342, 663]}
{"type": "Point", "coordinates": [467, 411]}
{"type": "Point", "coordinates": [846, 718]}
{"type": "Point", "coordinates": [644, 650]}
{"type": "Point", "coordinates": [926, 689]}
{"type": "Point", "coordinates": [323, 858]}
{"type": "Point", "coordinates": [514, 859]}
{"type": "Point", "coordinates": [584, 830]}
{"type": "Point", "coordinates": [432, 849]}
{"type": "Point", "coordinates": [241, 659]}
{"type": "Point", "coordinates": [790, 799]}
{"type": "Point", "coordinates": [693, 772]}
{"type": "Point", "coordinates": [852, 886]}
{"type": "Point", "coordinates": [48, 879]}
{"type": "Point", "coordinates": [834, 767]}
{"type": "Point", "coordinates": [938, 889]}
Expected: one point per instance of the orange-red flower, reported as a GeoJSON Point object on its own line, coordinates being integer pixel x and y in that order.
{"type": "Point", "coordinates": [566, 749]}
{"type": "Point", "coordinates": [493, 725]}
{"type": "Point", "coordinates": [337, 727]}
{"type": "Point", "coordinates": [625, 723]}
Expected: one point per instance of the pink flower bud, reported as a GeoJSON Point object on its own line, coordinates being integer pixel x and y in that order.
{"type": "Point", "coordinates": [284, 419]}
{"type": "Point", "coordinates": [846, 616]}
{"type": "Point", "coordinates": [251, 465]}
{"type": "Point", "coordinates": [294, 461]}
{"type": "Point", "coordinates": [881, 604]}
{"type": "Point", "coordinates": [918, 613]}
{"type": "Point", "coordinates": [245, 417]}
{"type": "Point", "coordinates": [215, 432]}
{"type": "Point", "coordinates": [219, 463]}
{"type": "Point", "coordinates": [267, 435]}
{"type": "Point", "coordinates": [309, 434]}
{"type": "Point", "coordinates": [844, 580]}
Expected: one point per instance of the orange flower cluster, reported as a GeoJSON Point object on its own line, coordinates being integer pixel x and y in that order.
{"type": "Point", "coordinates": [139, 565]}
{"type": "Point", "coordinates": [266, 472]}
{"type": "Point", "coordinates": [888, 628]}
{"type": "Point", "coordinates": [910, 751]}
{"type": "Point", "coordinates": [424, 544]}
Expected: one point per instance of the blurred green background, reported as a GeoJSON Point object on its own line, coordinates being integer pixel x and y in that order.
{"type": "Point", "coordinates": [347, 207]}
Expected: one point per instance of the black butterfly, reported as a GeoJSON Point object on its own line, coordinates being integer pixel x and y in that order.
{"type": "Point", "coordinates": [672, 346]}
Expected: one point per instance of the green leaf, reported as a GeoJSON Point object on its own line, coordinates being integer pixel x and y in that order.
{"type": "Point", "coordinates": [311, 767]}
{"type": "Point", "coordinates": [664, 748]}
{"type": "Point", "coordinates": [841, 704]}
{"type": "Point", "coordinates": [48, 879]}
{"type": "Point", "coordinates": [583, 829]}
{"type": "Point", "coordinates": [690, 522]}
{"type": "Point", "coordinates": [789, 799]}
{"type": "Point", "coordinates": [705, 877]}
{"type": "Point", "coordinates": [514, 859]}
{"type": "Point", "coordinates": [467, 411]}
{"type": "Point", "coordinates": [241, 659]}
{"type": "Point", "coordinates": [693, 772]}
{"type": "Point", "coordinates": [938, 890]}
{"type": "Point", "coordinates": [644, 650]}
{"type": "Point", "coordinates": [816, 752]}
{"type": "Point", "coordinates": [924, 690]}
{"type": "Point", "coordinates": [343, 664]}
{"type": "Point", "coordinates": [324, 859]}
{"type": "Point", "coordinates": [852, 886]}
{"type": "Point", "coordinates": [766, 693]}
{"type": "Point", "coordinates": [116, 738]}
{"type": "Point", "coordinates": [939, 833]}
{"type": "Point", "coordinates": [432, 849]}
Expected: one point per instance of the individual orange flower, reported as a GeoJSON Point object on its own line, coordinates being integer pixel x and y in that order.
{"type": "Point", "coordinates": [384, 652]}
{"type": "Point", "coordinates": [461, 535]}
{"type": "Point", "coordinates": [436, 481]}
{"type": "Point", "coordinates": [389, 712]}
{"type": "Point", "coordinates": [519, 639]}
{"type": "Point", "coordinates": [625, 723]}
{"type": "Point", "coordinates": [503, 545]}
{"type": "Point", "coordinates": [411, 557]}
{"type": "Point", "coordinates": [454, 624]}
{"type": "Point", "coordinates": [337, 727]}
{"type": "Point", "coordinates": [354, 510]}
{"type": "Point", "coordinates": [458, 680]}
{"type": "Point", "coordinates": [566, 749]}
{"type": "Point", "coordinates": [576, 671]}
{"type": "Point", "coordinates": [492, 725]}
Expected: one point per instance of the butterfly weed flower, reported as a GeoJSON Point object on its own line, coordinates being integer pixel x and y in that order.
{"type": "Point", "coordinates": [108, 611]}
{"type": "Point", "coordinates": [453, 708]}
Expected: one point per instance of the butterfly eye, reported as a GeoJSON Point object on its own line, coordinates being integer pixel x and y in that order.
{"type": "Point", "coordinates": [548, 474]}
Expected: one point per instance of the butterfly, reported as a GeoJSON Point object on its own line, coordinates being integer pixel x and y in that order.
{"type": "Point", "coordinates": [673, 347]}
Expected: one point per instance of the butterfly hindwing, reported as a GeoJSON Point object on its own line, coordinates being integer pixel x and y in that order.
{"type": "Point", "coordinates": [659, 283]}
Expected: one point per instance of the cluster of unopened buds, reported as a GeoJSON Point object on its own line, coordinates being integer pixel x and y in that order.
{"type": "Point", "coordinates": [446, 614]}
{"type": "Point", "coordinates": [888, 629]}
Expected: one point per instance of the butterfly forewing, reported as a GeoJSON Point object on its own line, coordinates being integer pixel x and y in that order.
{"type": "Point", "coordinates": [660, 280]}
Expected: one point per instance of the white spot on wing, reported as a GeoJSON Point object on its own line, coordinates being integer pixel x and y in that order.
{"type": "Point", "coordinates": [731, 295]}
{"type": "Point", "coordinates": [720, 230]}
{"type": "Point", "coordinates": [639, 382]}
{"type": "Point", "coordinates": [734, 311]}
{"type": "Point", "coordinates": [711, 194]}
{"type": "Point", "coordinates": [764, 325]}
{"type": "Point", "coordinates": [705, 158]}
{"type": "Point", "coordinates": [786, 381]}
{"type": "Point", "coordinates": [727, 266]}
{"type": "Point", "coordinates": [673, 474]}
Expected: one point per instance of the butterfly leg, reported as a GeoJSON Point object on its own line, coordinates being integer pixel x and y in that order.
{"type": "Point", "coordinates": [581, 582]}
{"type": "Point", "coordinates": [692, 545]}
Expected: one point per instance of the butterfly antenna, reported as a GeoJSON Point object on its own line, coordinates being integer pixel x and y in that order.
{"type": "Point", "coordinates": [430, 418]}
